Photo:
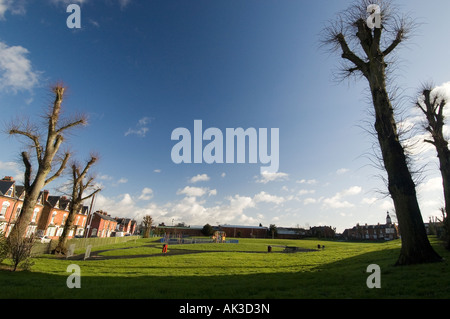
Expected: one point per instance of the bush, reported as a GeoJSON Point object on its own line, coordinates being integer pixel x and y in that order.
{"type": "Point", "coordinates": [207, 230]}
{"type": "Point", "coordinates": [19, 250]}
{"type": "Point", "coordinates": [3, 247]}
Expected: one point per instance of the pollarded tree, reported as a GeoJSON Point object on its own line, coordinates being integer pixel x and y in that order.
{"type": "Point", "coordinates": [80, 182]}
{"type": "Point", "coordinates": [365, 47]}
{"type": "Point", "coordinates": [432, 104]}
{"type": "Point", "coordinates": [147, 222]}
{"type": "Point", "coordinates": [46, 155]}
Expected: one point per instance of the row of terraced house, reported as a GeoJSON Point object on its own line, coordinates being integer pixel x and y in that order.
{"type": "Point", "coordinates": [50, 215]}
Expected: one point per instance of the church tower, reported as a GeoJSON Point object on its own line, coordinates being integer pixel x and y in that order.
{"type": "Point", "coordinates": [388, 219]}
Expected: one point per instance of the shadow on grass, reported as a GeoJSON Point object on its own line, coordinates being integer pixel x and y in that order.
{"type": "Point", "coordinates": [345, 278]}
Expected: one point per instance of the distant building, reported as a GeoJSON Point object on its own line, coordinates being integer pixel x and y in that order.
{"type": "Point", "coordinates": [54, 216]}
{"type": "Point", "coordinates": [244, 231]}
{"type": "Point", "coordinates": [126, 225]}
{"type": "Point", "coordinates": [173, 231]}
{"type": "Point", "coordinates": [102, 225]}
{"type": "Point", "coordinates": [291, 233]}
{"type": "Point", "coordinates": [322, 232]}
{"type": "Point", "coordinates": [387, 231]}
{"type": "Point", "coordinates": [11, 202]}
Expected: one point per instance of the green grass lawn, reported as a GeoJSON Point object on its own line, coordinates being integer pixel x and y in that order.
{"type": "Point", "coordinates": [138, 269]}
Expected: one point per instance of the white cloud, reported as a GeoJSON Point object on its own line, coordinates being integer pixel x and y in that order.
{"type": "Point", "coordinates": [14, 6]}
{"type": "Point", "coordinates": [264, 197]}
{"type": "Point", "coordinates": [124, 3]}
{"type": "Point", "coordinates": [309, 200]}
{"type": "Point", "coordinates": [306, 191]}
{"type": "Point", "coordinates": [141, 127]}
{"type": "Point", "coordinates": [342, 171]}
{"type": "Point", "coordinates": [354, 190]}
{"type": "Point", "coordinates": [139, 131]}
{"type": "Point", "coordinates": [67, 2]}
{"type": "Point", "coordinates": [309, 181]}
{"type": "Point", "coordinates": [387, 205]}
{"type": "Point", "coordinates": [337, 200]}
{"type": "Point", "coordinates": [270, 177]}
{"type": "Point", "coordinates": [105, 177]}
{"type": "Point", "coordinates": [368, 201]}
{"type": "Point", "coordinates": [122, 181]}
{"type": "Point", "coordinates": [199, 178]}
{"type": "Point", "coordinates": [190, 209]}
{"type": "Point", "coordinates": [12, 168]}
{"type": "Point", "coordinates": [16, 72]}
{"type": "Point", "coordinates": [196, 191]}
{"type": "Point", "coordinates": [146, 194]}
{"type": "Point", "coordinates": [431, 185]}
{"type": "Point", "coordinates": [415, 144]}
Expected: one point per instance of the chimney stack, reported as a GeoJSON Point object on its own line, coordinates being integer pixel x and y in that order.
{"type": "Point", "coordinates": [46, 194]}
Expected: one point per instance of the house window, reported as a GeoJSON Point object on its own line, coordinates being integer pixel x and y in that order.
{"type": "Point", "coordinates": [4, 209]}
{"type": "Point", "coordinates": [78, 219]}
{"type": "Point", "coordinates": [64, 219]}
{"type": "Point", "coordinates": [19, 209]}
{"type": "Point", "coordinates": [51, 231]}
{"type": "Point", "coordinates": [36, 211]}
{"type": "Point", "coordinates": [53, 218]}
{"type": "Point", "coordinates": [30, 231]}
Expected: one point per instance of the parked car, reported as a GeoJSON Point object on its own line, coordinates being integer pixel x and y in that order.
{"type": "Point", "coordinates": [44, 239]}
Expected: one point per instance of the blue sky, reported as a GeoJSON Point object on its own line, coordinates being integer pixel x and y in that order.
{"type": "Point", "coordinates": [140, 69]}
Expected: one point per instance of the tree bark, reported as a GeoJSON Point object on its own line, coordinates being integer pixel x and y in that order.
{"type": "Point", "coordinates": [433, 109]}
{"type": "Point", "coordinates": [61, 248]}
{"type": "Point", "coordinates": [416, 247]}
{"type": "Point", "coordinates": [44, 158]}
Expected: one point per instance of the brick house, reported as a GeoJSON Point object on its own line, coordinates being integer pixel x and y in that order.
{"type": "Point", "coordinates": [173, 231]}
{"type": "Point", "coordinates": [11, 202]}
{"type": "Point", "coordinates": [79, 222]}
{"type": "Point", "coordinates": [54, 215]}
{"type": "Point", "coordinates": [291, 233]}
{"type": "Point", "coordinates": [388, 231]}
{"type": "Point", "coordinates": [126, 225]}
{"type": "Point", "coordinates": [244, 231]}
{"type": "Point", "coordinates": [322, 231]}
{"type": "Point", "coordinates": [102, 225]}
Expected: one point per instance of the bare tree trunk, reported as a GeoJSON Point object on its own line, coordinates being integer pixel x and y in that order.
{"type": "Point", "coordinates": [371, 64]}
{"type": "Point", "coordinates": [433, 109]}
{"type": "Point", "coordinates": [44, 157]}
{"type": "Point", "coordinates": [415, 245]}
{"type": "Point", "coordinates": [61, 248]}
{"type": "Point", "coordinates": [76, 201]}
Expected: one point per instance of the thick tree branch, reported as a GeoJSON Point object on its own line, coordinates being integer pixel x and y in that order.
{"type": "Point", "coordinates": [86, 169]}
{"type": "Point", "coordinates": [60, 170]}
{"type": "Point", "coordinates": [348, 54]}
{"type": "Point", "coordinates": [76, 123]}
{"type": "Point", "coordinates": [398, 39]}
{"type": "Point", "coordinates": [92, 194]}
{"type": "Point", "coordinates": [33, 138]}
{"type": "Point", "coordinates": [27, 176]}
